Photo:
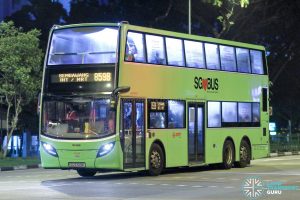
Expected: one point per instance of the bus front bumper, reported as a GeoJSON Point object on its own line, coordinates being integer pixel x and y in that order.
{"type": "Point", "coordinates": [72, 158]}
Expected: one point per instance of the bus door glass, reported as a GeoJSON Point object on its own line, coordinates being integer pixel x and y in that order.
{"type": "Point", "coordinates": [133, 132]}
{"type": "Point", "coordinates": [196, 132]}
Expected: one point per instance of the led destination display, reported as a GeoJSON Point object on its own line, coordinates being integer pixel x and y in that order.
{"type": "Point", "coordinates": [81, 77]}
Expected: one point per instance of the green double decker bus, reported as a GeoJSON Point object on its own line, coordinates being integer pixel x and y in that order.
{"type": "Point", "coordinates": [130, 98]}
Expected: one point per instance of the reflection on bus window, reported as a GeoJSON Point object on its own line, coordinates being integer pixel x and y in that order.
{"type": "Point", "coordinates": [229, 111]}
{"type": "Point", "coordinates": [127, 110]}
{"type": "Point", "coordinates": [157, 120]}
{"type": "Point", "coordinates": [83, 45]}
{"type": "Point", "coordinates": [256, 62]}
{"type": "Point", "coordinates": [255, 112]}
{"type": "Point", "coordinates": [194, 54]}
{"type": "Point", "coordinates": [155, 49]}
{"type": "Point", "coordinates": [214, 114]}
{"type": "Point", "coordinates": [175, 114]}
{"type": "Point", "coordinates": [243, 60]}
{"type": "Point", "coordinates": [212, 56]}
{"type": "Point", "coordinates": [135, 47]}
{"type": "Point", "coordinates": [244, 112]}
{"type": "Point", "coordinates": [227, 58]}
{"type": "Point", "coordinates": [174, 51]}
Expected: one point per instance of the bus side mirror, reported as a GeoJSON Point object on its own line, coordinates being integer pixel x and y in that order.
{"type": "Point", "coordinates": [115, 94]}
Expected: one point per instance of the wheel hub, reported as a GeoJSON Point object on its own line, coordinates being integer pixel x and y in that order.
{"type": "Point", "coordinates": [243, 153]}
{"type": "Point", "coordinates": [155, 160]}
{"type": "Point", "coordinates": [228, 153]}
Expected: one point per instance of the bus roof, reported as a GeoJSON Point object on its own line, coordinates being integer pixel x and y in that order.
{"type": "Point", "coordinates": [167, 33]}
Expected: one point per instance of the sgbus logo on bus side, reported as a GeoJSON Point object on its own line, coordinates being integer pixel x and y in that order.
{"type": "Point", "coordinates": [208, 84]}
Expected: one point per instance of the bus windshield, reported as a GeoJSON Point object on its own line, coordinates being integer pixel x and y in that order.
{"type": "Point", "coordinates": [83, 45]}
{"type": "Point", "coordinates": [78, 118]}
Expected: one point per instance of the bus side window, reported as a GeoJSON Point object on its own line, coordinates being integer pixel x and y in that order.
{"type": "Point", "coordinates": [155, 49]}
{"type": "Point", "coordinates": [243, 60]}
{"type": "Point", "coordinates": [257, 62]}
{"type": "Point", "coordinates": [135, 50]}
{"type": "Point", "coordinates": [212, 56]}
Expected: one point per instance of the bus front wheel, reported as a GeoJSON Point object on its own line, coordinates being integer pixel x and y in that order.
{"type": "Point", "coordinates": [156, 160]}
{"type": "Point", "coordinates": [228, 155]}
{"type": "Point", "coordinates": [86, 172]}
{"type": "Point", "coordinates": [245, 154]}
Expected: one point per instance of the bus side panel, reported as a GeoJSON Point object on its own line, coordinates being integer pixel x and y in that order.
{"type": "Point", "coordinates": [215, 138]}
{"type": "Point", "coordinates": [175, 145]}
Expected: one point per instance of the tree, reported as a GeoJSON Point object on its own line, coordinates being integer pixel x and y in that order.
{"type": "Point", "coordinates": [20, 72]}
{"type": "Point", "coordinates": [40, 14]}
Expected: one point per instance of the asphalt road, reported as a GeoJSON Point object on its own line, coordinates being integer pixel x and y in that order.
{"type": "Point", "coordinates": [194, 183]}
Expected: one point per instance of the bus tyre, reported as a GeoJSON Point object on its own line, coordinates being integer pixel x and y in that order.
{"type": "Point", "coordinates": [228, 155]}
{"type": "Point", "coordinates": [245, 154]}
{"type": "Point", "coordinates": [156, 160]}
{"type": "Point", "coordinates": [86, 172]}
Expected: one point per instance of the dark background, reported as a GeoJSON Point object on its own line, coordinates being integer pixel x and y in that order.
{"type": "Point", "coordinates": [274, 24]}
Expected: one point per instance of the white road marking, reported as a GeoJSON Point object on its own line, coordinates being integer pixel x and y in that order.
{"type": "Point", "coordinates": [275, 159]}
{"type": "Point", "coordinates": [165, 184]}
{"type": "Point", "coordinates": [119, 183]}
{"type": "Point", "coordinates": [229, 187]}
{"type": "Point", "coordinates": [181, 185]}
{"type": "Point", "coordinates": [133, 183]}
{"type": "Point", "coordinates": [212, 186]}
{"type": "Point", "coordinates": [257, 173]}
{"type": "Point", "coordinates": [235, 179]}
{"type": "Point", "coordinates": [197, 186]}
{"type": "Point", "coordinates": [149, 184]}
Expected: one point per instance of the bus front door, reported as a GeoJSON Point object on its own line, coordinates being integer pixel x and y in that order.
{"type": "Point", "coordinates": [196, 132]}
{"type": "Point", "coordinates": [133, 133]}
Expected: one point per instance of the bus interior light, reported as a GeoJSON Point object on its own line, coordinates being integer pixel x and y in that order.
{"type": "Point", "coordinates": [49, 149]}
{"type": "Point", "coordinates": [105, 149]}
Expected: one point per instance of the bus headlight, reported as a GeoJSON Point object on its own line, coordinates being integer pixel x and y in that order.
{"type": "Point", "coordinates": [105, 149]}
{"type": "Point", "coordinates": [49, 149]}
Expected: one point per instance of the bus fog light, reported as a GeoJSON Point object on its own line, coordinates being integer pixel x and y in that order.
{"type": "Point", "coordinates": [105, 149]}
{"type": "Point", "coordinates": [49, 149]}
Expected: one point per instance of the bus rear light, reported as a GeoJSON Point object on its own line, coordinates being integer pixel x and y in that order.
{"type": "Point", "coordinates": [49, 149]}
{"type": "Point", "coordinates": [105, 149]}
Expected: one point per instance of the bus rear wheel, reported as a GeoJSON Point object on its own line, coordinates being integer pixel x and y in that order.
{"type": "Point", "coordinates": [156, 160]}
{"type": "Point", "coordinates": [228, 155]}
{"type": "Point", "coordinates": [245, 154]}
{"type": "Point", "coordinates": [86, 172]}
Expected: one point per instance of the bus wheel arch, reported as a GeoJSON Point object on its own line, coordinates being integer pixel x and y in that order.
{"type": "Point", "coordinates": [228, 153]}
{"type": "Point", "coordinates": [157, 158]}
{"type": "Point", "coordinates": [245, 152]}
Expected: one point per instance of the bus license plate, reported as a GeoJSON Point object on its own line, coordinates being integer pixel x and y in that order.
{"type": "Point", "coordinates": [77, 164]}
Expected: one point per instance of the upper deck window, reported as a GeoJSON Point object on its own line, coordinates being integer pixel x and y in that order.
{"type": "Point", "coordinates": [83, 45]}
{"type": "Point", "coordinates": [135, 50]}
{"type": "Point", "coordinates": [194, 54]}
{"type": "Point", "coordinates": [227, 55]}
{"type": "Point", "coordinates": [175, 51]}
{"type": "Point", "coordinates": [257, 62]}
{"type": "Point", "coordinates": [243, 60]}
{"type": "Point", "coordinates": [212, 56]}
{"type": "Point", "coordinates": [155, 49]}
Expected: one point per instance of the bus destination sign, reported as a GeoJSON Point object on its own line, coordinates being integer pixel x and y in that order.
{"type": "Point", "coordinates": [81, 77]}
